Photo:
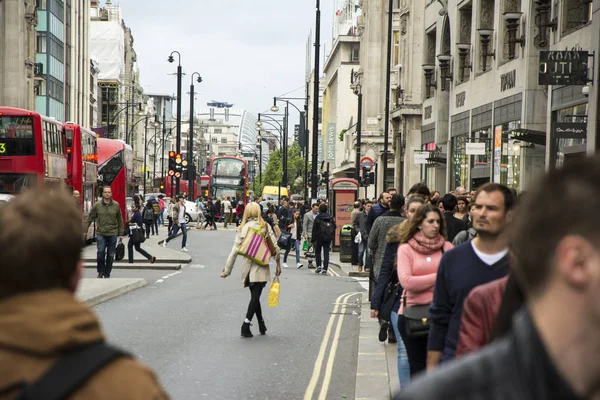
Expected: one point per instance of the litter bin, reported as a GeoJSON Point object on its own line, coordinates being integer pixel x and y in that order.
{"type": "Point", "coordinates": [346, 244]}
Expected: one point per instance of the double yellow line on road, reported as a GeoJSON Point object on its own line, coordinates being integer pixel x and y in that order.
{"type": "Point", "coordinates": [339, 310]}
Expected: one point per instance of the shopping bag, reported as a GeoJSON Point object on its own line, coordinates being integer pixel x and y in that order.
{"type": "Point", "coordinates": [255, 247]}
{"type": "Point", "coordinates": [305, 246]}
{"type": "Point", "coordinates": [310, 253]}
{"type": "Point", "coordinates": [274, 293]}
{"type": "Point", "coordinates": [120, 252]}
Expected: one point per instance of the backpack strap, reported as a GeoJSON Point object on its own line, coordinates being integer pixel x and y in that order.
{"type": "Point", "coordinates": [71, 372]}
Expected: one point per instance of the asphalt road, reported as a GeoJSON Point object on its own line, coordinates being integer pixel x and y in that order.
{"type": "Point", "coordinates": [186, 325]}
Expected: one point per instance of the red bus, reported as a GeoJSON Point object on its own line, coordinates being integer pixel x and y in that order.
{"type": "Point", "coordinates": [32, 151]}
{"type": "Point", "coordinates": [204, 179]}
{"type": "Point", "coordinates": [115, 160]}
{"type": "Point", "coordinates": [200, 187]}
{"type": "Point", "coordinates": [229, 178]}
{"type": "Point", "coordinates": [82, 164]}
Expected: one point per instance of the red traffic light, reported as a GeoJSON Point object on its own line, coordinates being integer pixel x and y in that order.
{"type": "Point", "coordinates": [171, 154]}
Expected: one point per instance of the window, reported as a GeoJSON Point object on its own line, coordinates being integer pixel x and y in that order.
{"type": "Point", "coordinates": [576, 13]}
{"type": "Point", "coordinates": [224, 140]}
{"type": "Point", "coordinates": [214, 140]}
{"type": "Point", "coordinates": [218, 130]}
{"type": "Point", "coordinates": [41, 42]}
{"type": "Point", "coordinates": [355, 54]}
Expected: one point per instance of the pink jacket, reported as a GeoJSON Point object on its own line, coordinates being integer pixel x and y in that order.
{"type": "Point", "coordinates": [417, 275]}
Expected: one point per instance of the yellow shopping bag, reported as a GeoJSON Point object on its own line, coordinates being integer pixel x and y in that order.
{"type": "Point", "coordinates": [274, 293]}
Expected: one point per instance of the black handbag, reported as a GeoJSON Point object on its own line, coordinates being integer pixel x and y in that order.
{"type": "Point", "coordinates": [390, 297]}
{"type": "Point", "coordinates": [137, 236]}
{"type": "Point", "coordinates": [417, 318]}
{"type": "Point", "coordinates": [285, 240]}
{"type": "Point", "coordinates": [120, 252]}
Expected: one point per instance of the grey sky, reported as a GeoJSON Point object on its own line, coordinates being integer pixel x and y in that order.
{"type": "Point", "coordinates": [247, 51]}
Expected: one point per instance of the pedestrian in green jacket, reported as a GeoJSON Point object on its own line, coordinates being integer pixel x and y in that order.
{"type": "Point", "coordinates": [109, 225]}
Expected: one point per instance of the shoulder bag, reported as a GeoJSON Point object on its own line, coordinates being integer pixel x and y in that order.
{"type": "Point", "coordinates": [417, 318]}
{"type": "Point", "coordinates": [391, 294]}
{"type": "Point", "coordinates": [255, 247]}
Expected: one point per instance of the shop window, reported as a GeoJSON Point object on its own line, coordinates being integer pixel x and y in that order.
{"type": "Point", "coordinates": [510, 159]}
{"type": "Point", "coordinates": [576, 13]}
{"type": "Point", "coordinates": [460, 161]}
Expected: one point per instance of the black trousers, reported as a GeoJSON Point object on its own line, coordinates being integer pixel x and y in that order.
{"type": "Point", "coordinates": [416, 349]}
{"type": "Point", "coordinates": [149, 225]}
{"type": "Point", "coordinates": [254, 307]}
{"type": "Point", "coordinates": [326, 247]}
{"type": "Point", "coordinates": [170, 224]}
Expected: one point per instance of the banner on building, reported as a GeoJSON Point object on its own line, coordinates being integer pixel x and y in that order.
{"type": "Point", "coordinates": [320, 148]}
{"type": "Point", "coordinates": [497, 152]}
{"type": "Point", "coordinates": [331, 136]}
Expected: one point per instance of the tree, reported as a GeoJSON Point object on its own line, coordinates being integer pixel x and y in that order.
{"type": "Point", "coordinates": [273, 173]}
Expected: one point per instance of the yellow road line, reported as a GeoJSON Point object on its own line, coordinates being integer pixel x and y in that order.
{"type": "Point", "coordinates": [310, 390]}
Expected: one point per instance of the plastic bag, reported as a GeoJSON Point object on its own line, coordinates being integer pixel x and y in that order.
{"type": "Point", "coordinates": [305, 245]}
{"type": "Point", "coordinates": [274, 293]}
{"type": "Point", "coordinates": [358, 238]}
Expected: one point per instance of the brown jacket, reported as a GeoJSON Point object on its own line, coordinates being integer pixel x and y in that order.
{"type": "Point", "coordinates": [35, 328]}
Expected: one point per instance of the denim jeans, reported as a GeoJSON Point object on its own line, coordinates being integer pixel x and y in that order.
{"type": "Point", "coordinates": [161, 217]}
{"type": "Point", "coordinates": [361, 252]}
{"type": "Point", "coordinates": [326, 246]}
{"type": "Point", "coordinates": [155, 223]}
{"type": "Point", "coordinates": [106, 254]}
{"type": "Point", "coordinates": [297, 248]}
{"type": "Point", "coordinates": [403, 365]}
{"type": "Point", "coordinates": [183, 227]}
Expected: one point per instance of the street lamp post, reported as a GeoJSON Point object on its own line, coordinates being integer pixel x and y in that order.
{"type": "Point", "coordinates": [355, 81]}
{"type": "Point", "coordinates": [315, 133]}
{"type": "Point", "coordinates": [386, 128]}
{"type": "Point", "coordinates": [178, 138]}
{"type": "Point", "coordinates": [192, 166]}
{"type": "Point", "coordinates": [260, 158]}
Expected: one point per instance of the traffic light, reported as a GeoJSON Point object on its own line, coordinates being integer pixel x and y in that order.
{"type": "Point", "coordinates": [371, 180]}
{"type": "Point", "coordinates": [178, 166]}
{"type": "Point", "coordinates": [172, 164]}
{"type": "Point", "coordinates": [162, 186]}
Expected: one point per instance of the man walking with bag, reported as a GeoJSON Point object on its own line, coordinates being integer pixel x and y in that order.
{"type": "Point", "coordinates": [323, 233]}
{"type": "Point", "coordinates": [109, 225]}
{"type": "Point", "coordinates": [307, 228]}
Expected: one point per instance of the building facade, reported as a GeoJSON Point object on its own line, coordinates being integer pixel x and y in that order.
{"type": "Point", "coordinates": [19, 71]}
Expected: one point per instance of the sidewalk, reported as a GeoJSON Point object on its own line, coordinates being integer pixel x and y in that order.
{"type": "Point", "coordinates": [171, 258]}
{"type": "Point", "coordinates": [95, 291]}
{"type": "Point", "coordinates": [377, 369]}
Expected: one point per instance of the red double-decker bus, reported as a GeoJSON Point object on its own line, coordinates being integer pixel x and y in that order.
{"type": "Point", "coordinates": [115, 160]}
{"type": "Point", "coordinates": [200, 186]}
{"type": "Point", "coordinates": [32, 151]}
{"type": "Point", "coordinates": [82, 164]}
{"type": "Point", "coordinates": [228, 178]}
{"type": "Point", "coordinates": [204, 179]}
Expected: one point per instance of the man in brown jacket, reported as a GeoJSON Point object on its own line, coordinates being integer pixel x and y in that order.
{"type": "Point", "coordinates": [41, 322]}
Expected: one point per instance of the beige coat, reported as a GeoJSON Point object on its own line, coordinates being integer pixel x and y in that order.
{"type": "Point", "coordinates": [251, 272]}
{"type": "Point", "coordinates": [37, 327]}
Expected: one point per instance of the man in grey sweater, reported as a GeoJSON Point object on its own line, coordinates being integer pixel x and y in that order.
{"type": "Point", "coordinates": [307, 228]}
{"type": "Point", "coordinates": [377, 236]}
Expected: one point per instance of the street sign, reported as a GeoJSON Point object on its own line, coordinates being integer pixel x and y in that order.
{"type": "Point", "coordinates": [367, 162]}
{"type": "Point", "coordinates": [563, 68]}
{"type": "Point", "coordinates": [475, 149]}
{"type": "Point", "coordinates": [420, 157]}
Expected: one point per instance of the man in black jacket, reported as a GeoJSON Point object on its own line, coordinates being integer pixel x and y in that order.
{"type": "Point", "coordinates": [453, 225]}
{"type": "Point", "coordinates": [323, 235]}
{"type": "Point", "coordinates": [552, 350]}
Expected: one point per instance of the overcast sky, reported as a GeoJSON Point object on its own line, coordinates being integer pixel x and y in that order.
{"type": "Point", "coordinates": [247, 51]}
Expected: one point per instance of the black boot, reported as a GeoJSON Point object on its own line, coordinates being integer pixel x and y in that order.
{"type": "Point", "coordinates": [383, 330]}
{"type": "Point", "coordinates": [262, 327]}
{"type": "Point", "coordinates": [391, 336]}
{"type": "Point", "coordinates": [246, 330]}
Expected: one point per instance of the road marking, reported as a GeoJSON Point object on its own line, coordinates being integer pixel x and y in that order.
{"type": "Point", "coordinates": [162, 279]}
{"type": "Point", "coordinates": [197, 266]}
{"type": "Point", "coordinates": [339, 302]}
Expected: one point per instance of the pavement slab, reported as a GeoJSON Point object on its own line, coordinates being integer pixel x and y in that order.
{"type": "Point", "coordinates": [94, 291]}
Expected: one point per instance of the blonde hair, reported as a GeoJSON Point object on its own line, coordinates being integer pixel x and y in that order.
{"type": "Point", "coordinates": [252, 210]}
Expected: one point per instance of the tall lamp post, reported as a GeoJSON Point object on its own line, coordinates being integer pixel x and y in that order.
{"type": "Point", "coordinates": [315, 133]}
{"type": "Point", "coordinates": [192, 167]}
{"type": "Point", "coordinates": [386, 128]}
{"type": "Point", "coordinates": [178, 137]}
{"type": "Point", "coordinates": [355, 83]}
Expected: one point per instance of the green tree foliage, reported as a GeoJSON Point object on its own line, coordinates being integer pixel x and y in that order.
{"type": "Point", "coordinates": [273, 173]}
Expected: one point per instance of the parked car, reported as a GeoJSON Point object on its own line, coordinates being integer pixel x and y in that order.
{"type": "Point", "coordinates": [5, 198]}
{"type": "Point", "coordinates": [191, 211]}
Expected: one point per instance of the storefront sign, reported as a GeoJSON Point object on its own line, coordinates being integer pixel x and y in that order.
{"type": "Point", "coordinates": [475, 149]}
{"type": "Point", "coordinates": [331, 136]}
{"type": "Point", "coordinates": [367, 162]}
{"type": "Point", "coordinates": [420, 157]}
{"type": "Point", "coordinates": [428, 111]}
{"type": "Point", "coordinates": [508, 80]}
{"type": "Point", "coordinates": [320, 148]}
{"type": "Point", "coordinates": [460, 99]}
{"type": "Point", "coordinates": [569, 129]}
{"type": "Point", "coordinates": [344, 185]}
{"type": "Point", "coordinates": [563, 68]}
{"type": "Point", "coordinates": [497, 152]}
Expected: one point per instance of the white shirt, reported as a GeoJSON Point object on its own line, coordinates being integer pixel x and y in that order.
{"type": "Point", "coordinates": [182, 214]}
{"type": "Point", "coordinates": [226, 207]}
{"type": "Point", "coordinates": [489, 259]}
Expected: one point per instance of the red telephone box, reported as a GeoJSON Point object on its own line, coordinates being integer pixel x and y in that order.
{"type": "Point", "coordinates": [344, 192]}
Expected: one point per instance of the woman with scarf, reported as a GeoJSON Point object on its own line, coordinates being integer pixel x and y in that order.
{"type": "Point", "coordinates": [419, 256]}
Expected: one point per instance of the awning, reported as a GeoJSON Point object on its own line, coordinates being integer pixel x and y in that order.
{"type": "Point", "coordinates": [528, 135]}
{"type": "Point", "coordinates": [437, 158]}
